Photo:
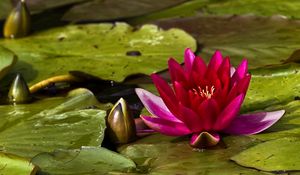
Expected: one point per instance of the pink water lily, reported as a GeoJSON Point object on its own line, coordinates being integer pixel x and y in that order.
{"type": "Point", "coordinates": [203, 101]}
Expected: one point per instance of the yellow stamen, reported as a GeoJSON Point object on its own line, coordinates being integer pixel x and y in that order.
{"type": "Point", "coordinates": [205, 93]}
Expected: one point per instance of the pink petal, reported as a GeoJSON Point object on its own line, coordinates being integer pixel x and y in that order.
{"type": "Point", "coordinates": [248, 124]}
{"type": "Point", "coordinates": [176, 71]}
{"type": "Point", "coordinates": [208, 112]}
{"type": "Point", "coordinates": [204, 139]}
{"type": "Point", "coordinates": [215, 61]}
{"type": "Point", "coordinates": [167, 94]}
{"type": "Point", "coordinates": [181, 93]}
{"type": "Point", "coordinates": [191, 119]}
{"type": "Point", "coordinates": [229, 113]}
{"type": "Point", "coordinates": [199, 70]}
{"type": "Point", "coordinates": [240, 71]}
{"type": "Point", "coordinates": [239, 87]}
{"type": "Point", "coordinates": [224, 74]}
{"type": "Point", "coordinates": [155, 105]}
{"type": "Point", "coordinates": [165, 126]}
{"type": "Point", "coordinates": [189, 58]}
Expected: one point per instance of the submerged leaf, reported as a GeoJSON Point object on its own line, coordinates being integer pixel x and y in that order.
{"type": "Point", "coordinates": [288, 8]}
{"type": "Point", "coordinates": [263, 41]}
{"type": "Point", "coordinates": [87, 160]}
{"type": "Point", "coordinates": [7, 60]}
{"type": "Point", "coordinates": [116, 9]}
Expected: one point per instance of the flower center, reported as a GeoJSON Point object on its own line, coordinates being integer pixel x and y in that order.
{"type": "Point", "coordinates": [205, 93]}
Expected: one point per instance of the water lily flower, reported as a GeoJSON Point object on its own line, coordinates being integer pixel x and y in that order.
{"type": "Point", "coordinates": [203, 101]}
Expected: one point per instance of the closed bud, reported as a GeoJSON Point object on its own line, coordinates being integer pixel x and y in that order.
{"type": "Point", "coordinates": [17, 23]}
{"type": "Point", "coordinates": [19, 92]}
{"type": "Point", "coordinates": [120, 123]}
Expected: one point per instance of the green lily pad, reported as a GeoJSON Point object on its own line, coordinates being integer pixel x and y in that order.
{"type": "Point", "coordinates": [14, 165]}
{"type": "Point", "coordinates": [87, 160]}
{"type": "Point", "coordinates": [116, 9]}
{"type": "Point", "coordinates": [7, 60]}
{"type": "Point", "coordinates": [282, 79]}
{"type": "Point", "coordinates": [263, 41]}
{"type": "Point", "coordinates": [274, 155]}
{"type": "Point", "coordinates": [157, 154]}
{"type": "Point", "coordinates": [110, 52]}
{"type": "Point", "coordinates": [50, 124]}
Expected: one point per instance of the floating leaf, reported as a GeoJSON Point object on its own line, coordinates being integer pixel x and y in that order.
{"type": "Point", "coordinates": [102, 50]}
{"type": "Point", "coordinates": [53, 123]}
{"type": "Point", "coordinates": [274, 155]}
{"type": "Point", "coordinates": [14, 165]}
{"type": "Point", "coordinates": [158, 154]}
{"type": "Point", "coordinates": [116, 9]}
{"type": "Point", "coordinates": [263, 41]}
{"type": "Point", "coordinates": [282, 79]}
{"type": "Point", "coordinates": [87, 160]}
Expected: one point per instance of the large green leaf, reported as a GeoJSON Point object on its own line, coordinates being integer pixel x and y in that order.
{"type": "Point", "coordinates": [282, 79]}
{"type": "Point", "coordinates": [87, 160]}
{"type": "Point", "coordinates": [159, 154]}
{"type": "Point", "coordinates": [110, 52]}
{"type": "Point", "coordinates": [53, 123]}
{"type": "Point", "coordinates": [116, 9]}
{"type": "Point", "coordinates": [263, 41]}
{"type": "Point", "coordinates": [14, 165]}
{"type": "Point", "coordinates": [275, 155]}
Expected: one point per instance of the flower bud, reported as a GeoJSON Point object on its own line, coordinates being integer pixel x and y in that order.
{"type": "Point", "coordinates": [17, 23]}
{"type": "Point", "coordinates": [19, 92]}
{"type": "Point", "coordinates": [120, 123]}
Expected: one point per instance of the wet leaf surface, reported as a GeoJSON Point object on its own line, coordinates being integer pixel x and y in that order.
{"type": "Point", "coordinates": [97, 49]}
{"type": "Point", "coordinates": [50, 124]}
{"type": "Point", "coordinates": [87, 160]}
